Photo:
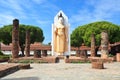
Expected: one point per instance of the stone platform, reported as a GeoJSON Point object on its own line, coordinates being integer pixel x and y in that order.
{"type": "Point", "coordinates": [48, 59]}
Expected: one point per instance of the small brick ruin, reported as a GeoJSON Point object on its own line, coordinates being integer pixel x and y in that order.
{"type": "Point", "coordinates": [104, 44]}
{"type": "Point", "coordinates": [44, 53]}
{"type": "Point", "coordinates": [83, 54]}
{"type": "Point", "coordinates": [15, 38]}
{"type": "Point", "coordinates": [37, 54]}
{"type": "Point", "coordinates": [27, 44]}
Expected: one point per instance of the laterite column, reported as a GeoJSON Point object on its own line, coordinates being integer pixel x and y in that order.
{"type": "Point", "coordinates": [15, 38]}
{"type": "Point", "coordinates": [27, 44]}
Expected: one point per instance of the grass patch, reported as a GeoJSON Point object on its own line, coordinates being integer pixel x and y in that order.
{"type": "Point", "coordinates": [30, 61]}
{"type": "Point", "coordinates": [1, 53]}
{"type": "Point", "coordinates": [4, 56]}
{"type": "Point", "coordinates": [80, 62]}
{"type": "Point", "coordinates": [110, 55]}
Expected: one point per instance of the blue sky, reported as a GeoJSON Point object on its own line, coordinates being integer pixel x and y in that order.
{"type": "Point", "coordinates": [41, 12]}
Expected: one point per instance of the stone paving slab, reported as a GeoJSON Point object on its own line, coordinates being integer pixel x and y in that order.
{"type": "Point", "coordinates": [66, 71]}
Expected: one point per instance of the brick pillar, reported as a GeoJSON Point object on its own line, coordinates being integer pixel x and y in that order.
{"type": "Point", "coordinates": [27, 44]}
{"type": "Point", "coordinates": [104, 44]}
{"type": "Point", "coordinates": [93, 53]}
{"type": "Point", "coordinates": [44, 53]}
{"type": "Point", "coordinates": [15, 38]}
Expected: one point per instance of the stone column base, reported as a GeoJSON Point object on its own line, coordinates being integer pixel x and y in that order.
{"type": "Point", "coordinates": [97, 65]}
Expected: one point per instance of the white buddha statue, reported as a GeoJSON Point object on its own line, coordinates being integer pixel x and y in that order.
{"type": "Point", "coordinates": [60, 36]}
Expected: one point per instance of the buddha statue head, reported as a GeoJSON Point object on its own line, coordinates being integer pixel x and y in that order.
{"type": "Point", "coordinates": [60, 19]}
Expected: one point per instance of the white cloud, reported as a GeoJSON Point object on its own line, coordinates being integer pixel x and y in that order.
{"type": "Point", "coordinates": [101, 10]}
{"type": "Point", "coordinates": [6, 19]}
{"type": "Point", "coordinates": [11, 4]}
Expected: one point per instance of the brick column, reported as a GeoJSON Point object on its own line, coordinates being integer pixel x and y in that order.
{"type": "Point", "coordinates": [104, 44]}
{"type": "Point", "coordinates": [15, 38]}
{"type": "Point", "coordinates": [93, 53]}
{"type": "Point", "coordinates": [27, 44]}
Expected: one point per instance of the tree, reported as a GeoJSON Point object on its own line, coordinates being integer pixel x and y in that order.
{"type": "Point", "coordinates": [36, 35]}
{"type": "Point", "coordinates": [84, 33]}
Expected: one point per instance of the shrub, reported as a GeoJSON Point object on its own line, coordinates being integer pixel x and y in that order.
{"type": "Point", "coordinates": [1, 53]}
{"type": "Point", "coordinates": [4, 57]}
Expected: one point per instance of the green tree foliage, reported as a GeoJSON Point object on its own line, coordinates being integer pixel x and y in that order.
{"type": "Point", "coordinates": [36, 34]}
{"type": "Point", "coordinates": [82, 34]}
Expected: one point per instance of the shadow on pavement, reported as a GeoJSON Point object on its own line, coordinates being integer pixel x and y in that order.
{"type": "Point", "coordinates": [25, 78]}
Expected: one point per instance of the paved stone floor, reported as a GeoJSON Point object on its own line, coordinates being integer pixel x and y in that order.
{"type": "Point", "coordinates": [62, 71]}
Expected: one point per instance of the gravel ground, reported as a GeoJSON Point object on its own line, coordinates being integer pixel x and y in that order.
{"type": "Point", "coordinates": [65, 71]}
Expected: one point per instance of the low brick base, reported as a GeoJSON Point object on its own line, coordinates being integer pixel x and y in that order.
{"type": "Point", "coordinates": [4, 60]}
{"type": "Point", "coordinates": [49, 59]}
{"type": "Point", "coordinates": [6, 69]}
{"type": "Point", "coordinates": [104, 60]}
{"type": "Point", "coordinates": [24, 66]}
{"type": "Point", "coordinates": [61, 57]}
{"type": "Point", "coordinates": [74, 59]}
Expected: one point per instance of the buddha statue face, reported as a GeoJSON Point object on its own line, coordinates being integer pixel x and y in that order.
{"type": "Point", "coordinates": [60, 20]}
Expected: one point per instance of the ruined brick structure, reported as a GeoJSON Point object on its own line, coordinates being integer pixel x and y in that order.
{"type": "Point", "coordinates": [27, 44]}
{"type": "Point", "coordinates": [83, 54]}
{"type": "Point", "coordinates": [37, 54]}
{"type": "Point", "coordinates": [104, 44]}
{"type": "Point", "coordinates": [15, 38]}
{"type": "Point", "coordinates": [44, 53]}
